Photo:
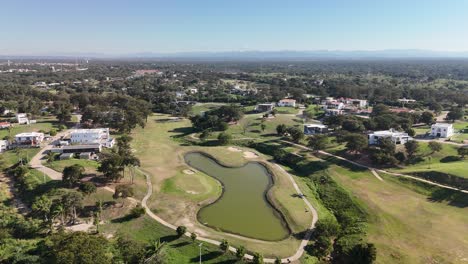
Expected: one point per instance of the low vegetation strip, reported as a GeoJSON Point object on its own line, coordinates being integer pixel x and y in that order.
{"type": "Point", "coordinates": [443, 178]}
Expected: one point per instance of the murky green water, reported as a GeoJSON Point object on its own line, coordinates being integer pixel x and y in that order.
{"type": "Point", "coordinates": [243, 208]}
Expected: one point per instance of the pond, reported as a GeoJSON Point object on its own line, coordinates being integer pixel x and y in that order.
{"type": "Point", "coordinates": [243, 207]}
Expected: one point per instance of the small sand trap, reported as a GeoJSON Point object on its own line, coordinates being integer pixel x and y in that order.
{"type": "Point", "coordinates": [250, 155]}
{"type": "Point", "coordinates": [80, 227]}
{"type": "Point", "coordinates": [189, 172]}
{"type": "Point", "coordinates": [192, 192]}
{"type": "Point", "coordinates": [234, 149]}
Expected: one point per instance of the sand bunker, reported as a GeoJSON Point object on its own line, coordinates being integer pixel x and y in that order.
{"type": "Point", "coordinates": [250, 155]}
{"type": "Point", "coordinates": [189, 172]}
{"type": "Point", "coordinates": [234, 149]}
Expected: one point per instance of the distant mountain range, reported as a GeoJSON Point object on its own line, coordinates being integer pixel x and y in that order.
{"type": "Point", "coordinates": [258, 55]}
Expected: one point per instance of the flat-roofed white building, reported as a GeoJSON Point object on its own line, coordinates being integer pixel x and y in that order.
{"type": "Point", "coordinates": [442, 130]}
{"type": "Point", "coordinates": [264, 107]}
{"type": "Point", "coordinates": [357, 102]}
{"type": "Point", "coordinates": [22, 118]}
{"type": "Point", "coordinates": [312, 129]}
{"type": "Point", "coordinates": [30, 138]}
{"type": "Point", "coordinates": [4, 145]}
{"type": "Point", "coordinates": [287, 102]}
{"type": "Point", "coordinates": [92, 136]}
{"type": "Point", "coordinates": [396, 137]}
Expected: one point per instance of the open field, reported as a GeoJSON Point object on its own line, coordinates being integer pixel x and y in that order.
{"type": "Point", "coordinates": [89, 165]}
{"type": "Point", "coordinates": [445, 161]}
{"type": "Point", "coordinates": [43, 124]}
{"type": "Point", "coordinates": [406, 226]}
{"type": "Point", "coordinates": [408, 223]}
{"type": "Point", "coordinates": [177, 195]}
{"type": "Point", "coordinates": [203, 107]}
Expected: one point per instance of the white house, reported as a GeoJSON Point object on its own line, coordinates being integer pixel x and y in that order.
{"type": "Point", "coordinates": [22, 118]}
{"type": "Point", "coordinates": [287, 102]}
{"type": "Point", "coordinates": [4, 145]}
{"type": "Point", "coordinates": [311, 129]}
{"type": "Point", "coordinates": [4, 125]}
{"type": "Point", "coordinates": [442, 130]}
{"type": "Point", "coordinates": [395, 136]}
{"type": "Point", "coordinates": [357, 102]}
{"type": "Point", "coordinates": [30, 138]}
{"type": "Point", "coordinates": [92, 136]}
{"type": "Point", "coordinates": [264, 107]}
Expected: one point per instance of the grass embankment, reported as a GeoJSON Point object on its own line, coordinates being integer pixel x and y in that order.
{"type": "Point", "coordinates": [409, 222]}
{"type": "Point", "coordinates": [178, 196]}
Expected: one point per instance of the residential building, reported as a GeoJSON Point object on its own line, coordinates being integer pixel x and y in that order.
{"type": "Point", "coordinates": [287, 102]}
{"type": "Point", "coordinates": [333, 112]}
{"type": "Point", "coordinates": [442, 130]}
{"type": "Point", "coordinates": [396, 137]}
{"type": "Point", "coordinates": [99, 136]}
{"type": "Point", "coordinates": [264, 107]}
{"type": "Point", "coordinates": [22, 118]}
{"type": "Point", "coordinates": [312, 129]}
{"type": "Point", "coordinates": [357, 102]}
{"type": "Point", "coordinates": [4, 125]}
{"type": "Point", "coordinates": [405, 101]}
{"type": "Point", "coordinates": [92, 148]}
{"type": "Point", "coordinates": [4, 145]}
{"type": "Point", "coordinates": [30, 138]}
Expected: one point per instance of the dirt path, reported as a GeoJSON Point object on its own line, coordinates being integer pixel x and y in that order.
{"type": "Point", "coordinates": [376, 174]}
{"type": "Point", "coordinates": [378, 170]}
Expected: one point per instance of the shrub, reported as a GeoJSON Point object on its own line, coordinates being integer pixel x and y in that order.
{"type": "Point", "coordinates": [137, 211]}
{"type": "Point", "coordinates": [181, 230]}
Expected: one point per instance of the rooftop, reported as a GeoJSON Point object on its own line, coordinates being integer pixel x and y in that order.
{"type": "Point", "coordinates": [92, 130]}
{"type": "Point", "coordinates": [446, 125]}
{"type": "Point", "coordinates": [315, 125]}
{"type": "Point", "coordinates": [29, 134]}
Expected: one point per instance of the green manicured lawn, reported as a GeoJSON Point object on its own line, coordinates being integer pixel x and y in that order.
{"type": "Point", "coordinates": [89, 165]}
{"type": "Point", "coordinates": [286, 110]}
{"type": "Point", "coordinates": [44, 124]}
{"type": "Point", "coordinates": [252, 124]}
{"type": "Point", "coordinates": [445, 161]}
{"type": "Point", "coordinates": [407, 225]}
{"type": "Point", "coordinates": [313, 111]}
{"type": "Point", "coordinates": [203, 107]}
{"type": "Point", "coordinates": [179, 250]}
{"type": "Point", "coordinates": [177, 196]}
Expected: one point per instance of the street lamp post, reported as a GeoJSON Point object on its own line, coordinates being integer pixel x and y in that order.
{"type": "Point", "coordinates": [200, 245]}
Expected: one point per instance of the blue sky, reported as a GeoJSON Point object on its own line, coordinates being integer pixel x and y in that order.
{"type": "Point", "coordinates": [118, 26]}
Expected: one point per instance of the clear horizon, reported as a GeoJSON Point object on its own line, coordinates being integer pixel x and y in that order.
{"type": "Point", "coordinates": [124, 27]}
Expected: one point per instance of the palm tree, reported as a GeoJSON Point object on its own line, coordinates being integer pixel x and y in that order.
{"type": "Point", "coordinates": [59, 210]}
{"type": "Point", "coordinates": [155, 252]}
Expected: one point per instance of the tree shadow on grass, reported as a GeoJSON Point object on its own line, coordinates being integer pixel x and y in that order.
{"type": "Point", "coordinates": [123, 219]}
{"type": "Point", "coordinates": [453, 198]}
{"type": "Point", "coordinates": [181, 244]}
{"type": "Point", "coordinates": [450, 159]}
{"type": "Point", "coordinates": [182, 131]}
{"type": "Point", "coordinates": [169, 238]}
{"type": "Point", "coordinates": [207, 256]}
{"type": "Point", "coordinates": [343, 163]}
{"type": "Point", "coordinates": [300, 235]}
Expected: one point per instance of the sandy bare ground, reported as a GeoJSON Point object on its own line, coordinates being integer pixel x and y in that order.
{"type": "Point", "coordinates": [190, 172]}
{"type": "Point", "coordinates": [250, 155]}
{"type": "Point", "coordinates": [80, 227]}
{"type": "Point", "coordinates": [234, 149]}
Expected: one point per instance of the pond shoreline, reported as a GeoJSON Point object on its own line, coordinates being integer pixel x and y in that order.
{"type": "Point", "coordinates": [266, 195]}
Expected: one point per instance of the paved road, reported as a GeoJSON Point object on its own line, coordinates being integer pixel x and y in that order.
{"type": "Point", "coordinates": [378, 170]}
